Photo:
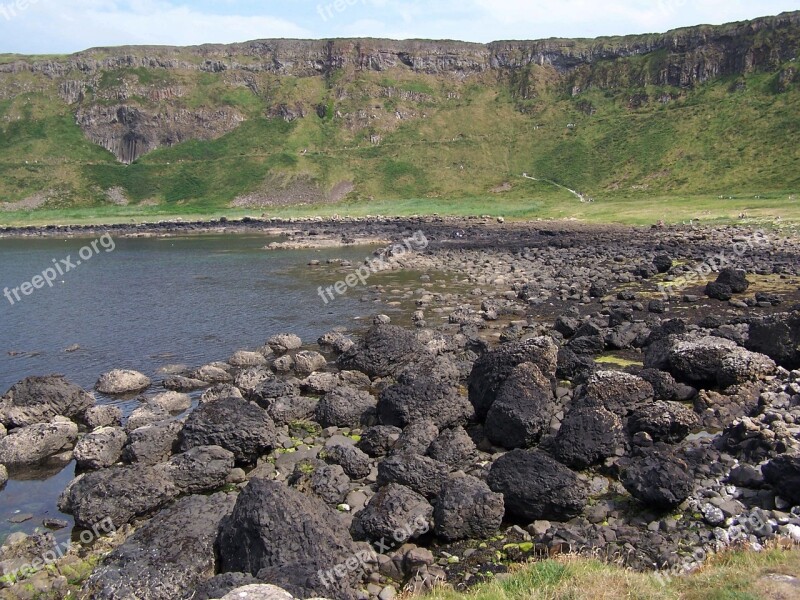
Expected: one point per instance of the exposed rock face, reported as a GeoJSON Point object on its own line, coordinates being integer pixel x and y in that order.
{"type": "Point", "coordinates": [168, 556]}
{"type": "Point", "coordinates": [129, 132]}
{"type": "Point", "coordinates": [415, 399]}
{"type": "Point", "coordinates": [39, 399]}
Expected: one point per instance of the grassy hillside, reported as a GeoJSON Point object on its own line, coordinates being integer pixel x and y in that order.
{"type": "Point", "coordinates": [401, 142]}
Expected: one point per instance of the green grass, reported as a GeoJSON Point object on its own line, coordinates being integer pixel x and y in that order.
{"type": "Point", "coordinates": [738, 575]}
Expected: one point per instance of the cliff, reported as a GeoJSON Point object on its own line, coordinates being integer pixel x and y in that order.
{"type": "Point", "coordinates": [134, 100]}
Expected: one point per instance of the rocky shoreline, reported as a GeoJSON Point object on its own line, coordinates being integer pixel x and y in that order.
{"type": "Point", "coordinates": [627, 393]}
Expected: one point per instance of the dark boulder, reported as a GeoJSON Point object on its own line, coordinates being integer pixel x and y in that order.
{"type": "Point", "coordinates": [588, 436]}
{"type": "Point", "coordinates": [535, 486]}
{"type": "Point", "coordinates": [39, 399]}
{"type": "Point", "coordinates": [423, 399]}
{"type": "Point", "coordinates": [231, 423]}
{"type": "Point", "coordinates": [494, 367]}
{"type": "Point", "coordinates": [355, 463]}
{"type": "Point", "coordinates": [454, 448]}
{"type": "Point", "coordinates": [616, 391]}
{"type": "Point", "coordinates": [658, 479]}
{"type": "Point", "coordinates": [201, 469]}
{"type": "Point", "coordinates": [523, 409]}
{"type": "Point", "coordinates": [167, 557]}
{"type": "Point", "coordinates": [280, 535]}
{"type": "Point", "coordinates": [668, 422]}
{"type": "Point", "coordinates": [777, 336]}
{"type": "Point", "coordinates": [379, 441]}
{"type": "Point", "coordinates": [152, 444]}
{"type": "Point", "coordinates": [467, 509]}
{"type": "Point", "coordinates": [327, 482]}
{"type": "Point", "coordinates": [384, 351]}
{"type": "Point", "coordinates": [416, 438]}
{"type": "Point", "coordinates": [118, 493]}
{"type": "Point", "coordinates": [395, 515]}
{"type": "Point", "coordinates": [662, 263]}
{"type": "Point", "coordinates": [422, 474]}
{"type": "Point", "coordinates": [783, 474]}
{"type": "Point", "coordinates": [735, 279]}
{"type": "Point", "coordinates": [346, 406]}
{"type": "Point", "coordinates": [719, 291]}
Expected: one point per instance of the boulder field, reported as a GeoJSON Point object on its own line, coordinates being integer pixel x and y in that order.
{"type": "Point", "coordinates": [405, 456]}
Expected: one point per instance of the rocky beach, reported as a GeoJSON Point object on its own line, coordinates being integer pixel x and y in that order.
{"type": "Point", "coordinates": [548, 388]}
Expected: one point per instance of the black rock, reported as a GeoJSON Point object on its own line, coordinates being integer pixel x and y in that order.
{"type": "Point", "coordinates": [783, 474]}
{"type": "Point", "coordinates": [423, 399]}
{"type": "Point", "coordinates": [422, 474]}
{"type": "Point", "coordinates": [658, 479]}
{"type": "Point", "coordinates": [467, 509]}
{"type": "Point", "coordinates": [588, 436]}
{"type": "Point", "coordinates": [536, 486]}
{"type": "Point", "coordinates": [395, 515]}
{"type": "Point", "coordinates": [383, 352]}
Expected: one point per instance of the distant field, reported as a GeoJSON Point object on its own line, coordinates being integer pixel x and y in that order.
{"type": "Point", "coordinates": [770, 211]}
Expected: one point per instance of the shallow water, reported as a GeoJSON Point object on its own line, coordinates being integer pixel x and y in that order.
{"type": "Point", "coordinates": [150, 303]}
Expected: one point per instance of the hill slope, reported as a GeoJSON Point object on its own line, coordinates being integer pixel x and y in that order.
{"type": "Point", "coordinates": [705, 110]}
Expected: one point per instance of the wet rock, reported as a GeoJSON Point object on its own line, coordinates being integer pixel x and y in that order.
{"type": "Point", "coordinates": [394, 515]}
{"type": "Point", "coordinates": [587, 436]}
{"type": "Point", "coordinates": [668, 422]}
{"type": "Point", "coordinates": [100, 448]}
{"type": "Point", "coordinates": [167, 557]}
{"type": "Point", "coordinates": [492, 369]}
{"type": "Point", "coordinates": [422, 474]}
{"type": "Point", "coordinates": [346, 407]}
{"type": "Point", "coordinates": [31, 445]}
{"type": "Point", "coordinates": [383, 352]}
{"type": "Point", "coordinates": [117, 493]}
{"type": "Point", "coordinates": [523, 409]}
{"type": "Point", "coordinates": [467, 509]}
{"type": "Point", "coordinates": [120, 381]}
{"type": "Point", "coordinates": [39, 399]}
{"type": "Point", "coordinates": [535, 486]}
{"type": "Point", "coordinates": [213, 374]}
{"type": "Point", "coordinates": [236, 425]}
{"type": "Point", "coordinates": [179, 383]}
{"type": "Point", "coordinates": [280, 535]}
{"type": "Point", "coordinates": [658, 479]}
{"type": "Point", "coordinates": [423, 399]}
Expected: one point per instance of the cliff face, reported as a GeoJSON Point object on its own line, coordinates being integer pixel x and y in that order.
{"type": "Point", "coordinates": [132, 100]}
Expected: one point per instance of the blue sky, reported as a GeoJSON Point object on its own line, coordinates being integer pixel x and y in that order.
{"type": "Point", "coordinates": [60, 26]}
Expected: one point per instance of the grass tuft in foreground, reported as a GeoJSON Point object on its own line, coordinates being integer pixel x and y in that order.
{"type": "Point", "coordinates": [735, 575]}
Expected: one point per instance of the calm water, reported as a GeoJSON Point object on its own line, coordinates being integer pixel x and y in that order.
{"type": "Point", "coordinates": [151, 303]}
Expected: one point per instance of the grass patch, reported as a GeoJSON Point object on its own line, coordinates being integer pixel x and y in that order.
{"type": "Point", "coordinates": [740, 575]}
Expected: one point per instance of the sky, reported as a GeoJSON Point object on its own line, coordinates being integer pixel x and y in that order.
{"type": "Point", "coordinates": [65, 26]}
